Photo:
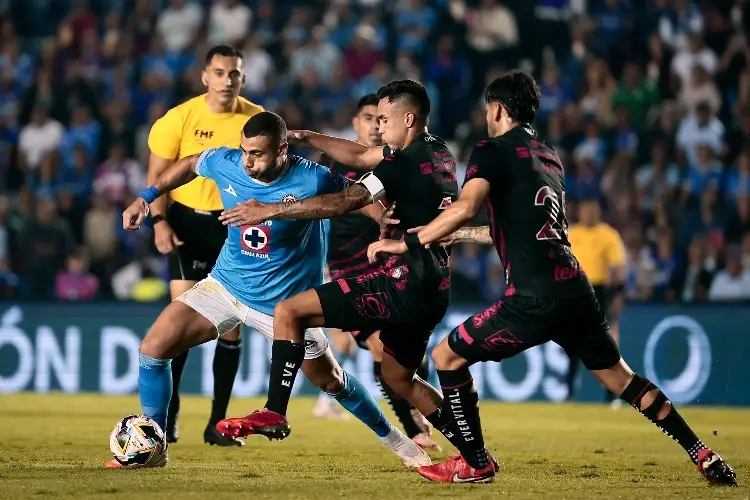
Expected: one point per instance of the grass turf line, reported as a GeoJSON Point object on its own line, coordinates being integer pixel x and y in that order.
{"type": "Point", "coordinates": [54, 446]}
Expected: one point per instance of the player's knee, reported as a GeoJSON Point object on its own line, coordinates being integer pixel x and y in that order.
{"type": "Point", "coordinates": [155, 344]}
{"type": "Point", "coordinates": [445, 358]}
{"type": "Point", "coordinates": [232, 335]}
{"type": "Point", "coordinates": [332, 382]}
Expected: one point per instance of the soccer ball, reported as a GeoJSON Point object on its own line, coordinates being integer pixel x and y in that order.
{"type": "Point", "coordinates": [136, 441]}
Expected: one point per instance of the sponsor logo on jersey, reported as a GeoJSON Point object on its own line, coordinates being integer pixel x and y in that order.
{"type": "Point", "coordinates": [203, 134]}
{"type": "Point", "coordinates": [447, 201]}
{"type": "Point", "coordinates": [288, 198]}
{"type": "Point", "coordinates": [255, 241]}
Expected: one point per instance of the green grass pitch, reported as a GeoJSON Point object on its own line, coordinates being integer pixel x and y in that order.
{"type": "Point", "coordinates": [54, 446]}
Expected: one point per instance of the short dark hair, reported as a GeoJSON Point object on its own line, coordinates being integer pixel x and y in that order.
{"type": "Point", "coordinates": [409, 91]}
{"type": "Point", "coordinates": [222, 51]}
{"type": "Point", "coordinates": [367, 100]}
{"type": "Point", "coordinates": [267, 124]}
{"type": "Point", "coordinates": [518, 93]}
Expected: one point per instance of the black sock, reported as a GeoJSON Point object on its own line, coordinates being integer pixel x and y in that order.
{"type": "Point", "coordinates": [178, 365]}
{"type": "Point", "coordinates": [423, 371]}
{"type": "Point", "coordinates": [461, 401]}
{"type": "Point", "coordinates": [286, 360]}
{"type": "Point", "coordinates": [672, 424]}
{"type": "Point", "coordinates": [400, 406]}
{"type": "Point", "coordinates": [226, 362]}
{"type": "Point", "coordinates": [571, 377]}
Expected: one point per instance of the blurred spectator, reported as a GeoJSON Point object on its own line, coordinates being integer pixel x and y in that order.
{"type": "Point", "coordinates": [733, 282]}
{"type": "Point", "coordinates": [9, 281]}
{"type": "Point", "coordinates": [680, 20]}
{"type": "Point", "coordinates": [738, 180]}
{"type": "Point", "coordinates": [119, 177]}
{"type": "Point", "coordinates": [658, 179]}
{"type": "Point", "coordinates": [706, 219]}
{"type": "Point", "coordinates": [739, 138]}
{"type": "Point", "coordinates": [636, 94]}
{"type": "Point", "coordinates": [705, 173]}
{"type": "Point", "coordinates": [490, 28]}
{"type": "Point", "coordinates": [139, 280]}
{"type": "Point", "coordinates": [75, 283]}
{"type": "Point", "coordinates": [74, 93]}
{"type": "Point", "coordinates": [695, 54]}
{"type": "Point", "coordinates": [690, 282]}
{"type": "Point", "coordinates": [739, 223]}
{"type": "Point", "coordinates": [258, 65]}
{"type": "Point", "coordinates": [413, 20]}
{"type": "Point", "coordinates": [141, 25]}
{"type": "Point", "coordinates": [554, 94]}
{"type": "Point", "coordinates": [702, 89]}
{"type": "Point", "coordinates": [362, 57]}
{"type": "Point", "coordinates": [451, 74]}
{"type": "Point", "coordinates": [84, 131]}
{"type": "Point", "coordinates": [700, 129]}
{"type": "Point", "coordinates": [229, 22]}
{"type": "Point", "coordinates": [46, 241]}
{"type": "Point", "coordinates": [18, 65]}
{"type": "Point", "coordinates": [598, 89]}
{"type": "Point", "coordinates": [178, 24]}
{"type": "Point", "coordinates": [318, 55]}
{"type": "Point", "coordinates": [39, 138]}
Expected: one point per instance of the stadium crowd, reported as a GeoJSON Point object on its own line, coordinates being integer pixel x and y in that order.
{"type": "Point", "coordinates": [650, 112]}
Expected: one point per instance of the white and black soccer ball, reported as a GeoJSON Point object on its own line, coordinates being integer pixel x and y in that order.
{"type": "Point", "coordinates": [137, 440]}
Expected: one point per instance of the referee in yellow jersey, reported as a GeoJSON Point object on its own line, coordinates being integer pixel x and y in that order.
{"type": "Point", "coordinates": [601, 252]}
{"type": "Point", "coordinates": [187, 228]}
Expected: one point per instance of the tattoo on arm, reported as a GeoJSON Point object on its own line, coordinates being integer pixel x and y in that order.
{"type": "Point", "coordinates": [479, 235]}
{"type": "Point", "coordinates": [326, 206]}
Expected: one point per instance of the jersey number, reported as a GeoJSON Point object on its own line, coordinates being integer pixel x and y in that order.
{"type": "Point", "coordinates": [552, 228]}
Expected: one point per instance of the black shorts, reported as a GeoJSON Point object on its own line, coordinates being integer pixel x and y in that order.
{"type": "Point", "coordinates": [405, 310]}
{"type": "Point", "coordinates": [603, 297]}
{"type": "Point", "coordinates": [517, 323]}
{"type": "Point", "coordinates": [202, 235]}
{"type": "Point", "coordinates": [361, 336]}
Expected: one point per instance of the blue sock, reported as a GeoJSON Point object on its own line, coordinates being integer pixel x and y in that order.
{"type": "Point", "coordinates": [155, 387]}
{"type": "Point", "coordinates": [355, 398]}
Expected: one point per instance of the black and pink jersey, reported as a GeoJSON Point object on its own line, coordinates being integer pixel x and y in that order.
{"type": "Point", "coordinates": [350, 234]}
{"type": "Point", "coordinates": [526, 208]}
{"type": "Point", "coordinates": [421, 180]}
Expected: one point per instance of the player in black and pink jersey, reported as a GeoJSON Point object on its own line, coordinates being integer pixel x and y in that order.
{"type": "Point", "coordinates": [519, 179]}
{"type": "Point", "coordinates": [348, 239]}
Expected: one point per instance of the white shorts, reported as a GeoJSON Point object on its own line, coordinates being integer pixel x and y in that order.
{"type": "Point", "coordinates": [212, 301]}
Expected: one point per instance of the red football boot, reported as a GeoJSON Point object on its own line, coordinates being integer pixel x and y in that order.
{"type": "Point", "coordinates": [457, 470]}
{"type": "Point", "coordinates": [714, 469]}
{"type": "Point", "coordinates": [264, 422]}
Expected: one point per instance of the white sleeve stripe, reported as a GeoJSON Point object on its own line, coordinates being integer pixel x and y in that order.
{"type": "Point", "coordinates": [373, 185]}
{"type": "Point", "coordinates": [201, 159]}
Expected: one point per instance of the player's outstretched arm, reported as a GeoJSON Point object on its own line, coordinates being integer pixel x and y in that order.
{"type": "Point", "coordinates": [180, 173]}
{"type": "Point", "coordinates": [455, 216]}
{"type": "Point", "coordinates": [325, 206]}
{"type": "Point", "coordinates": [478, 235]}
{"type": "Point", "coordinates": [350, 153]}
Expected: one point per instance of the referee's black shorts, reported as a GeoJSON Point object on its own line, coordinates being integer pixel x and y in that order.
{"type": "Point", "coordinates": [603, 296]}
{"type": "Point", "coordinates": [202, 235]}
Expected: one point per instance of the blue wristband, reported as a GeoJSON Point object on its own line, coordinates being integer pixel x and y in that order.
{"type": "Point", "coordinates": [150, 194]}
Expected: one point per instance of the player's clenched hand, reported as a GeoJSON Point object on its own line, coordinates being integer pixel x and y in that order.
{"type": "Point", "coordinates": [386, 220]}
{"type": "Point", "coordinates": [248, 212]}
{"type": "Point", "coordinates": [385, 247]}
{"type": "Point", "coordinates": [165, 238]}
{"type": "Point", "coordinates": [135, 214]}
{"type": "Point", "coordinates": [445, 241]}
{"type": "Point", "coordinates": [296, 135]}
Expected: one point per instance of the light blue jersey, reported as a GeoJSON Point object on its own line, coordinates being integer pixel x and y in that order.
{"type": "Point", "coordinates": [263, 264]}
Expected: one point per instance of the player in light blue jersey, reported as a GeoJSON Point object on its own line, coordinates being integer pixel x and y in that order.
{"type": "Point", "coordinates": [259, 266]}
